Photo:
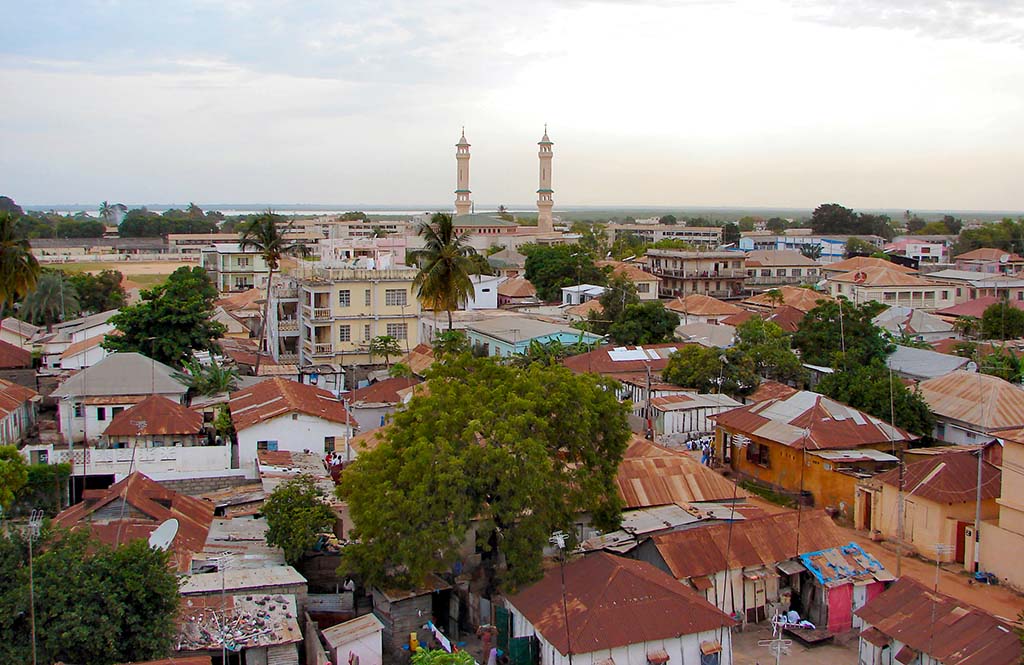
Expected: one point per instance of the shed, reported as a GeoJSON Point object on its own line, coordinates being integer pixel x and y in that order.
{"type": "Point", "coordinates": [357, 641]}
{"type": "Point", "coordinates": [839, 581]}
{"type": "Point", "coordinates": [404, 612]}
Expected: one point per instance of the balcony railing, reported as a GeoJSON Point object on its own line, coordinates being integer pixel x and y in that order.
{"type": "Point", "coordinates": [288, 325]}
{"type": "Point", "coordinates": [319, 348]}
{"type": "Point", "coordinates": [698, 274]}
{"type": "Point", "coordinates": [714, 293]}
{"type": "Point", "coordinates": [316, 313]}
{"type": "Point", "coordinates": [773, 280]}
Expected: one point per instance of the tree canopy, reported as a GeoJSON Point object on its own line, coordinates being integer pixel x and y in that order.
{"type": "Point", "coordinates": [768, 347]}
{"type": "Point", "coordinates": [1006, 235]}
{"type": "Point", "coordinates": [712, 370]}
{"type": "Point", "coordinates": [98, 293]}
{"type": "Point", "coordinates": [19, 269]}
{"type": "Point", "coordinates": [211, 379]}
{"type": "Point", "coordinates": [551, 267]}
{"type": "Point", "coordinates": [13, 475]}
{"type": "Point", "coordinates": [443, 283]}
{"type": "Point", "coordinates": [824, 338]}
{"type": "Point", "coordinates": [834, 218]}
{"type": "Point", "coordinates": [869, 387]}
{"type": "Point", "coordinates": [52, 300]}
{"type": "Point", "coordinates": [1002, 320]}
{"type": "Point", "coordinates": [644, 323]}
{"type": "Point", "coordinates": [511, 453]}
{"type": "Point", "coordinates": [93, 604]}
{"type": "Point", "coordinates": [144, 223]}
{"type": "Point", "coordinates": [171, 321]}
{"type": "Point", "coordinates": [297, 512]}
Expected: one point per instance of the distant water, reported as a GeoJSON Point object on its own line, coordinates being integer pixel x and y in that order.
{"type": "Point", "coordinates": [231, 210]}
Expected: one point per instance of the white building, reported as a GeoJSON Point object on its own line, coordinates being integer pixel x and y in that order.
{"type": "Point", "coordinates": [278, 414]}
{"type": "Point", "coordinates": [485, 292]}
{"type": "Point", "coordinates": [360, 637]}
{"type": "Point", "coordinates": [88, 401]}
{"type": "Point", "coordinates": [612, 609]}
{"type": "Point", "coordinates": [581, 293]}
{"type": "Point", "coordinates": [73, 335]}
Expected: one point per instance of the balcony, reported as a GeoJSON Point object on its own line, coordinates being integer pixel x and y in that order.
{"type": "Point", "coordinates": [317, 313]}
{"type": "Point", "coordinates": [288, 325]}
{"type": "Point", "coordinates": [774, 280]}
{"type": "Point", "coordinates": [737, 273]}
{"type": "Point", "coordinates": [318, 348]}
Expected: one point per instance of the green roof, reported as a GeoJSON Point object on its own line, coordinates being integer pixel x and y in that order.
{"type": "Point", "coordinates": [481, 219]}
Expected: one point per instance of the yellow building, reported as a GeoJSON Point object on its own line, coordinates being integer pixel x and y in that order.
{"type": "Point", "coordinates": [1002, 540]}
{"type": "Point", "coordinates": [341, 309]}
{"type": "Point", "coordinates": [939, 501]}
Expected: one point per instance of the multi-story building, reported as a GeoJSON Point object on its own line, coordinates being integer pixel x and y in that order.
{"type": "Point", "coordinates": [770, 268]}
{"type": "Point", "coordinates": [891, 287]}
{"type": "Point", "coordinates": [232, 269]}
{"type": "Point", "coordinates": [991, 260]}
{"type": "Point", "coordinates": [716, 274]}
{"type": "Point", "coordinates": [830, 248]}
{"type": "Point", "coordinates": [339, 309]}
{"type": "Point", "coordinates": [701, 236]}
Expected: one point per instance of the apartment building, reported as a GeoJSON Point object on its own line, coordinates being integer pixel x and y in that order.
{"type": "Point", "coordinates": [777, 267]}
{"type": "Point", "coordinates": [232, 269]}
{"type": "Point", "coordinates": [338, 310]}
{"type": "Point", "coordinates": [701, 236]}
{"type": "Point", "coordinates": [891, 287]}
{"type": "Point", "coordinates": [716, 274]}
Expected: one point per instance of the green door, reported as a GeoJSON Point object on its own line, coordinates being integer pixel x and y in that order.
{"type": "Point", "coordinates": [503, 622]}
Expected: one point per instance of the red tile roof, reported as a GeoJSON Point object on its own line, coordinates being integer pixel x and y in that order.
{"type": "Point", "coordinates": [151, 505]}
{"type": "Point", "coordinates": [802, 299]}
{"type": "Point", "coordinates": [12, 356]}
{"type": "Point", "coordinates": [652, 475]}
{"type": "Point", "coordinates": [699, 304]}
{"type": "Point", "coordinates": [949, 478]}
{"type": "Point", "coordinates": [628, 270]}
{"type": "Point", "coordinates": [276, 397]}
{"type": "Point", "coordinates": [886, 275]}
{"type": "Point", "coordinates": [806, 419]}
{"type": "Point", "coordinates": [788, 318]}
{"type": "Point", "coordinates": [13, 395]}
{"type": "Point", "coordinates": [988, 254]}
{"type": "Point", "coordinates": [382, 392]}
{"type": "Point", "coordinates": [517, 287]}
{"type": "Point", "coordinates": [764, 541]}
{"type": "Point", "coordinates": [739, 318]}
{"type": "Point", "coordinates": [154, 416]}
{"type": "Point", "coordinates": [946, 628]}
{"type": "Point", "coordinates": [613, 602]}
{"type": "Point", "coordinates": [862, 262]}
{"type": "Point", "coordinates": [419, 359]}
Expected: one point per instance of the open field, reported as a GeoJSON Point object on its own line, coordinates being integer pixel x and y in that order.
{"type": "Point", "coordinates": [145, 274]}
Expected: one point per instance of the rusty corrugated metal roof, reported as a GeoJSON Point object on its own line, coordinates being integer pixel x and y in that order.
{"type": "Point", "coordinates": [806, 419]}
{"type": "Point", "coordinates": [612, 602]}
{"type": "Point", "coordinates": [276, 397]}
{"type": "Point", "coordinates": [949, 478]}
{"type": "Point", "coordinates": [977, 399]}
{"type": "Point", "coordinates": [651, 475]}
{"type": "Point", "coordinates": [154, 416]}
{"type": "Point", "coordinates": [947, 629]}
{"type": "Point", "coordinates": [765, 541]}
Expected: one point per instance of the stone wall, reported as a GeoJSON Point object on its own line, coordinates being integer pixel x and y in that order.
{"type": "Point", "coordinates": [194, 486]}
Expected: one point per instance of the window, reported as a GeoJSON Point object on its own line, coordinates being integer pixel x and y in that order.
{"type": "Point", "coordinates": [101, 413]}
{"type": "Point", "coordinates": [243, 262]}
{"type": "Point", "coordinates": [116, 410]}
{"type": "Point", "coordinates": [758, 454]}
{"type": "Point", "coordinates": [643, 287]}
{"type": "Point", "coordinates": [766, 273]}
{"type": "Point", "coordinates": [78, 411]}
{"type": "Point", "coordinates": [945, 295]}
{"type": "Point", "coordinates": [366, 332]}
{"type": "Point", "coordinates": [345, 333]}
{"type": "Point", "coordinates": [367, 295]}
{"type": "Point", "coordinates": [344, 298]}
{"type": "Point", "coordinates": [266, 445]}
{"type": "Point", "coordinates": [959, 292]}
{"type": "Point", "coordinates": [797, 272]}
{"type": "Point", "coordinates": [398, 330]}
{"type": "Point", "coordinates": [395, 297]}
{"type": "Point", "coordinates": [328, 444]}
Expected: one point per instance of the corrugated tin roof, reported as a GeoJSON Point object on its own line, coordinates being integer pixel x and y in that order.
{"type": "Point", "coordinates": [276, 397]}
{"type": "Point", "coordinates": [13, 396]}
{"type": "Point", "coordinates": [125, 373]}
{"type": "Point", "coordinates": [771, 390]}
{"type": "Point", "coordinates": [923, 364]}
{"type": "Point", "coordinates": [844, 564]}
{"type": "Point", "coordinates": [948, 478]}
{"type": "Point", "coordinates": [699, 304]}
{"type": "Point", "coordinates": [947, 629]}
{"type": "Point", "coordinates": [862, 262]}
{"type": "Point", "coordinates": [977, 399]}
{"type": "Point", "coordinates": [613, 602]}
{"type": "Point", "coordinates": [764, 541]}
{"type": "Point", "coordinates": [12, 356]}
{"type": "Point", "coordinates": [794, 296]}
{"type": "Point", "coordinates": [988, 254]}
{"type": "Point", "coordinates": [651, 475]}
{"type": "Point", "coordinates": [877, 276]}
{"type": "Point", "coordinates": [806, 419]}
{"type": "Point", "coordinates": [601, 361]}
{"type": "Point", "coordinates": [517, 287]}
{"type": "Point", "coordinates": [155, 415]}
{"type": "Point", "coordinates": [348, 631]}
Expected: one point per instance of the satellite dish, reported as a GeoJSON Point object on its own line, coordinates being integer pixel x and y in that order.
{"type": "Point", "coordinates": [971, 366]}
{"type": "Point", "coordinates": [164, 534]}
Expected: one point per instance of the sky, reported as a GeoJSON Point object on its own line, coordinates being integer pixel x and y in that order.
{"type": "Point", "coordinates": [788, 103]}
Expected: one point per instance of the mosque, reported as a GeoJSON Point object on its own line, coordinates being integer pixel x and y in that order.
{"type": "Point", "coordinates": [545, 199]}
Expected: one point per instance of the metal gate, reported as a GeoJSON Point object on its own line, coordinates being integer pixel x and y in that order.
{"type": "Point", "coordinates": [503, 622]}
{"type": "Point", "coordinates": [522, 651]}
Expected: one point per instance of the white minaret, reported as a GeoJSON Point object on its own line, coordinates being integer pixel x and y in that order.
{"type": "Point", "coordinates": [462, 202]}
{"type": "Point", "coordinates": [544, 200]}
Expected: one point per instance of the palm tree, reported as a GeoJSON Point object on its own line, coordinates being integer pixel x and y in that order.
{"type": "Point", "coordinates": [106, 212]}
{"type": "Point", "coordinates": [194, 211]}
{"type": "Point", "coordinates": [443, 282]}
{"type": "Point", "coordinates": [53, 300]}
{"type": "Point", "coordinates": [19, 270]}
{"type": "Point", "coordinates": [264, 234]}
{"type": "Point", "coordinates": [211, 379]}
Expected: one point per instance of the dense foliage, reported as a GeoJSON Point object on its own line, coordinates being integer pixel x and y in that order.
{"type": "Point", "coordinates": [834, 218]}
{"type": "Point", "coordinates": [13, 475]}
{"type": "Point", "coordinates": [1007, 235]}
{"type": "Point", "coordinates": [93, 604]}
{"type": "Point", "coordinates": [870, 388]}
{"type": "Point", "coordinates": [171, 321]}
{"type": "Point", "coordinates": [509, 453]}
{"type": "Point", "coordinates": [551, 267]}
{"type": "Point", "coordinates": [644, 323]}
{"type": "Point", "coordinates": [100, 292]}
{"type": "Point", "coordinates": [297, 512]}
{"type": "Point", "coordinates": [53, 299]}
{"type": "Point", "coordinates": [1002, 320]}
{"type": "Point", "coordinates": [211, 379]}
{"type": "Point", "coordinates": [825, 338]}
{"type": "Point", "coordinates": [144, 223]}
{"type": "Point", "coordinates": [710, 370]}
{"type": "Point", "coordinates": [19, 269]}
{"type": "Point", "coordinates": [768, 347]}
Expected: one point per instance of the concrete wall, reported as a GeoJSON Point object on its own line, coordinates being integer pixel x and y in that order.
{"type": "Point", "coordinates": [200, 485]}
{"type": "Point", "coordinates": [150, 461]}
{"type": "Point", "coordinates": [296, 432]}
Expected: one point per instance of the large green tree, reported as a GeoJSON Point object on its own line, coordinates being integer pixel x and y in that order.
{"type": "Point", "coordinates": [551, 267]}
{"type": "Point", "coordinates": [19, 269]}
{"type": "Point", "coordinates": [834, 218]}
{"type": "Point", "coordinates": [870, 388]}
{"type": "Point", "coordinates": [267, 234]}
{"type": "Point", "coordinates": [511, 453]}
{"type": "Point", "coordinates": [828, 339]}
{"type": "Point", "coordinates": [1002, 320]}
{"type": "Point", "coordinates": [768, 347]}
{"type": "Point", "coordinates": [644, 323]}
{"type": "Point", "coordinates": [93, 604]}
{"type": "Point", "coordinates": [443, 282]}
{"type": "Point", "coordinates": [619, 294]}
{"type": "Point", "coordinates": [100, 292]}
{"type": "Point", "coordinates": [171, 321]}
{"type": "Point", "coordinates": [712, 370]}
{"type": "Point", "coordinates": [13, 475]}
{"type": "Point", "coordinates": [297, 512]}
{"type": "Point", "coordinates": [385, 345]}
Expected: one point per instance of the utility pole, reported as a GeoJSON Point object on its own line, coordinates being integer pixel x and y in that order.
{"type": "Point", "coordinates": [34, 522]}
{"type": "Point", "coordinates": [977, 515]}
{"type": "Point", "coordinates": [558, 540]}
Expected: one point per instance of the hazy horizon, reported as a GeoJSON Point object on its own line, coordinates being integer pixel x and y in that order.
{"type": "Point", "coordinates": [779, 104]}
